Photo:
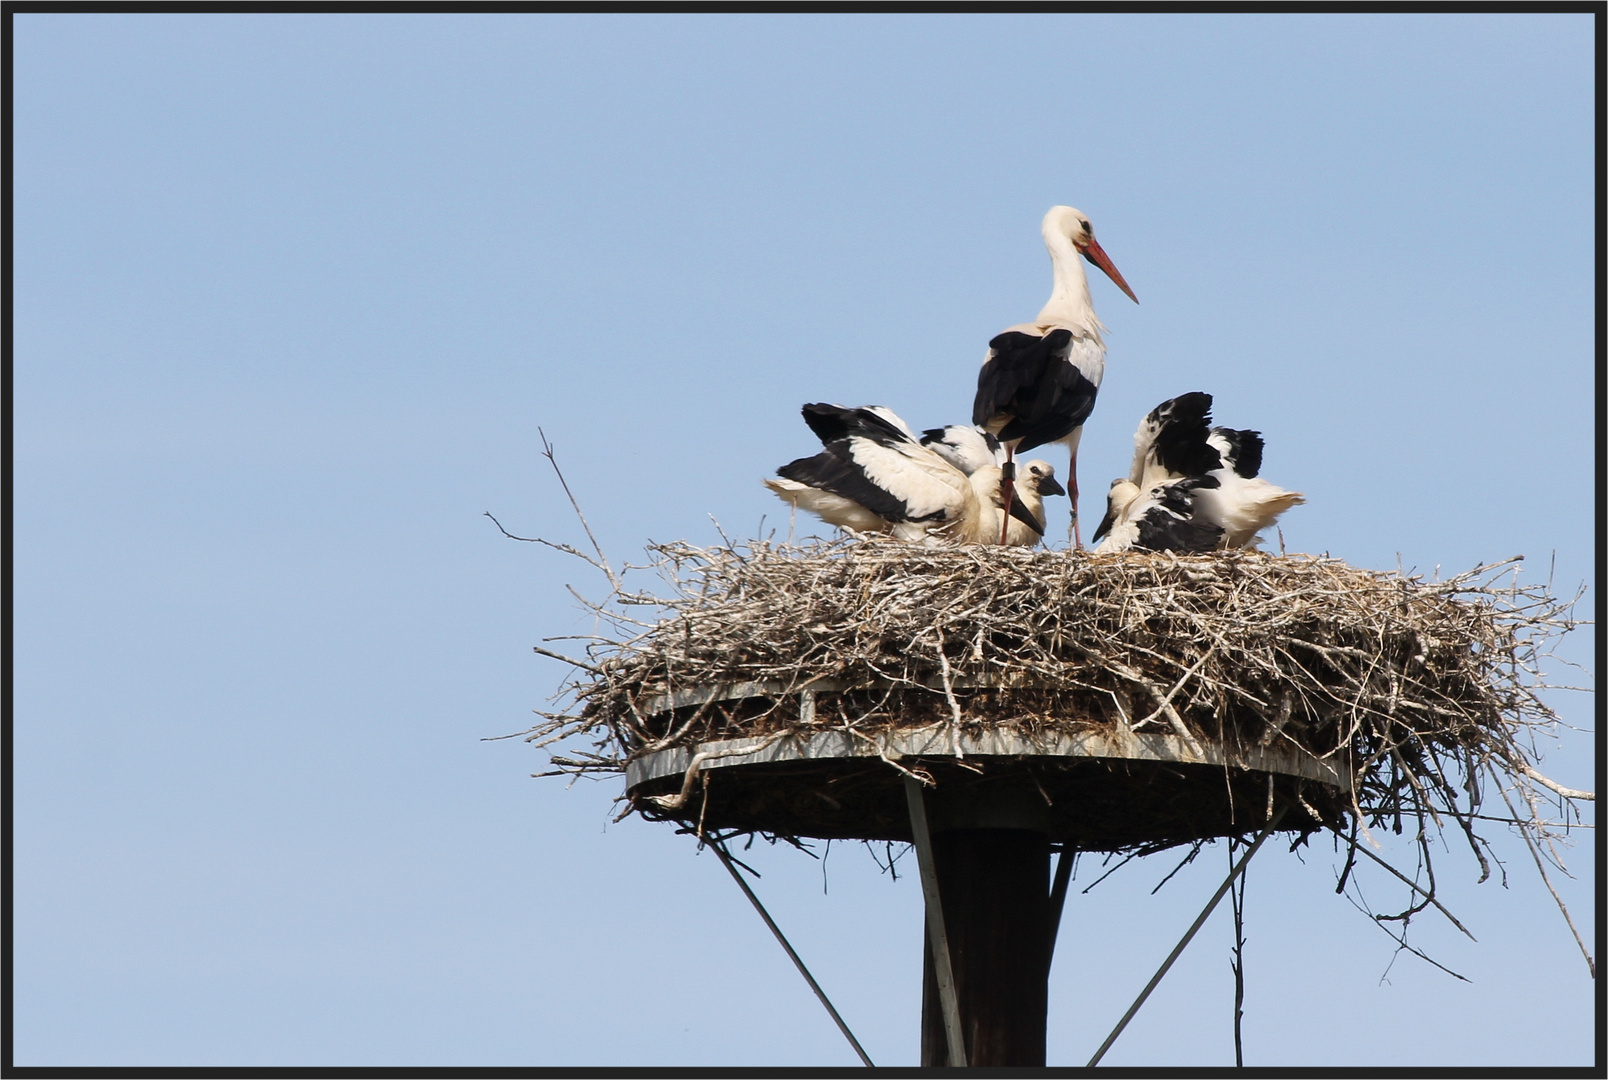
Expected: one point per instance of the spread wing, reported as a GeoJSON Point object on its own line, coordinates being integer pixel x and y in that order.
{"type": "Point", "coordinates": [1240, 450]}
{"type": "Point", "coordinates": [900, 482]}
{"type": "Point", "coordinates": [1172, 441]}
{"type": "Point", "coordinates": [833, 422]}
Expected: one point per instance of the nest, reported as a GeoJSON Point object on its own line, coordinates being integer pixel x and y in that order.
{"type": "Point", "coordinates": [1422, 691]}
{"type": "Point", "coordinates": [1427, 696]}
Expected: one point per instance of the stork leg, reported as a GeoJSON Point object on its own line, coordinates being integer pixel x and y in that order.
{"type": "Point", "coordinates": [1072, 491]}
{"type": "Point", "coordinates": [1008, 488]}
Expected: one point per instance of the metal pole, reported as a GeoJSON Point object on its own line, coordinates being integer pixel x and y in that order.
{"type": "Point", "coordinates": [1063, 877]}
{"type": "Point", "coordinates": [935, 922]}
{"type": "Point", "coordinates": [725, 859]}
{"type": "Point", "coordinates": [1179, 948]}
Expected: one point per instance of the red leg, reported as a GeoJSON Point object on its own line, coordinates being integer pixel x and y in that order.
{"type": "Point", "coordinates": [1008, 486]}
{"type": "Point", "coordinates": [1072, 490]}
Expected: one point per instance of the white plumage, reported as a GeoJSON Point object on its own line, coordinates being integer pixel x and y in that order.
{"type": "Point", "coordinates": [1039, 380]}
{"type": "Point", "coordinates": [1243, 504]}
{"type": "Point", "coordinates": [874, 476]}
{"type": "Point", "coordinates": [1191, 487]}
{"type": "Point", "coordinates": [966, 448]}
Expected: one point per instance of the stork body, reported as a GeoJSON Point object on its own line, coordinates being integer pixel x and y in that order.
{"type": "Point", "coordinates": [874, 476]}
{"type": "Point", "coordinates": [1192, 487]}
{"type": "Point", "coordinates": [1243, 503]}
{"type": "Point", "coordinates": [1039, 380]}
{"type": "Point", "coordinates": [1162, 517]}
{"type": "Point", "coordinates": [966, 448]}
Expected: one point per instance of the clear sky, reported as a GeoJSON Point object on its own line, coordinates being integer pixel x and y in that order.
{"type": "Point", "coordinates": [294, 292]}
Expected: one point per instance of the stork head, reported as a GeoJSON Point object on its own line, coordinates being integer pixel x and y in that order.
{"type": "Point", "coordinates": [1121, 496]}
{"type": "Point", "coordinates": [1034, 481]}
{"type": "Point", "coordinates": [1039, 476]}
{"type": "Point", "coordinates": [1067, 223]}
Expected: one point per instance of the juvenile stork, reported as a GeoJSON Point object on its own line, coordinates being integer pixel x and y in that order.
{"type": "Point", "coordinates": [874, 476]}
{"type": "Point", "coordinates": [966, 448]}
{"type": "Point", "coordinates": [1192, 487]}
{"type": "Point", "coordinates": [1163, 517]}
{"type": "Point", "coordinates": [975, 453]}
{"type": "Point", "coordinates": [1039, 380]}
{"type": "Point", "coordinates": [1024, 524]}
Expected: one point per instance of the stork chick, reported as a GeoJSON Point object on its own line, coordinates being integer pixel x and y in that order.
{"type": "Point", "coordinates": [1192, 487]}
{"type": "Point", "coordinates": [874, 476]}
{"type": "Point", "coordinates": [1024, 520]}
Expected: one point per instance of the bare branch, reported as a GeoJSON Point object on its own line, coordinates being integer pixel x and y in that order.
{"type": "Point", "coordinates": [602, 560]}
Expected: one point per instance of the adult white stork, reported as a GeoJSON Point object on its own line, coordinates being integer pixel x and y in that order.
{"type": "Point", "coordinates": [874, 476]}
{"type": "Point", "coordinates": [1192, 487]}
{"type": "Point", "coordinates": [1039, 380]}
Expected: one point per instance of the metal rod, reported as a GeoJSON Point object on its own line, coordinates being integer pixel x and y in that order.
{"type": "Point", "coordinates": [1063, 877]}
{"type": "Point", "coordinates": [1188, 936]}
{"type": "Point", "coordinates": [935, 923]}
{"type": "Point", "coordinates": [725, 859]}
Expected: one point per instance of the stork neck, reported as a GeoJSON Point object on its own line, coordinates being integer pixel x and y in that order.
{"type": "Point", "coordinates": [1070, 304]}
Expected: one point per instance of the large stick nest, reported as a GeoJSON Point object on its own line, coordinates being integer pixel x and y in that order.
{"type": "Point", "coordinates": [1424, 689]}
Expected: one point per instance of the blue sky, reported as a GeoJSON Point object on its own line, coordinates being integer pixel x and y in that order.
{"type": "Point", "coordinates": [293, 294]}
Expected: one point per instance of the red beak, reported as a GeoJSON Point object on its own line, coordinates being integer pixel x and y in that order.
{"type": "Point", "coordinates": [1095, 254]}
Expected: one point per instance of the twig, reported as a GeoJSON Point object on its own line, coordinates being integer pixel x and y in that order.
{"type": "Point", "coordinates": [1527, 769]}
{"type": "Point", "coordinates": [593, 668]}
{"type": "Point", "coordinates": [602, 560]}
{"type": "Point", "coordinates": [1189, 935]}
{"type": "Point", "coordinates": [1591, 965]}
{"type": "Point", "coordinates": [1401, 940]}
{"type": "Point", "coordinates": [1403, 878]}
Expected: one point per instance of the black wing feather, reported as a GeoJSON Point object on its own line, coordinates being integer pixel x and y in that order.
{"type": "Point", "coordinates": [1029, 379]}
{"type": "Point", "coordinates": [834, 469]}
{"type": "Point", "coordinates": [834, 422]}
{"type": "Point", "coordinates": [1160, 531]}
{"type": "Point", "coordinates": [1245, 450]}
{"type": "Point", "coordinates": [1172, 526]}
{"type": "Point", "coordinates": [936, 435]}
{"type": "Point", "coordinates": [1183, 423]}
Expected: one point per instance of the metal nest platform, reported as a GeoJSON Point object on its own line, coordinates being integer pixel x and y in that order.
{"type": "Point", "coordinates": [1100, 789]}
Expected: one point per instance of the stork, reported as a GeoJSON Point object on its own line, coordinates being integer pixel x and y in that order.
{"type": "Point", "coordinates": [1039, 380]}
{"type": "Point", "coordinates": [966, 448]}
{"type": "Point", "coordinates": [1243, 503]}
{"type": "Point", "coordinates": [1192, 487]}
{"type": "Point", "coordinates": [1162, 517]}
{"type": "Point", "coordinates": [874, 476]}
{"type": "Point", "coordinates": [972, 450]}
{"type": "Point", "coordinates": [1024, 523]}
